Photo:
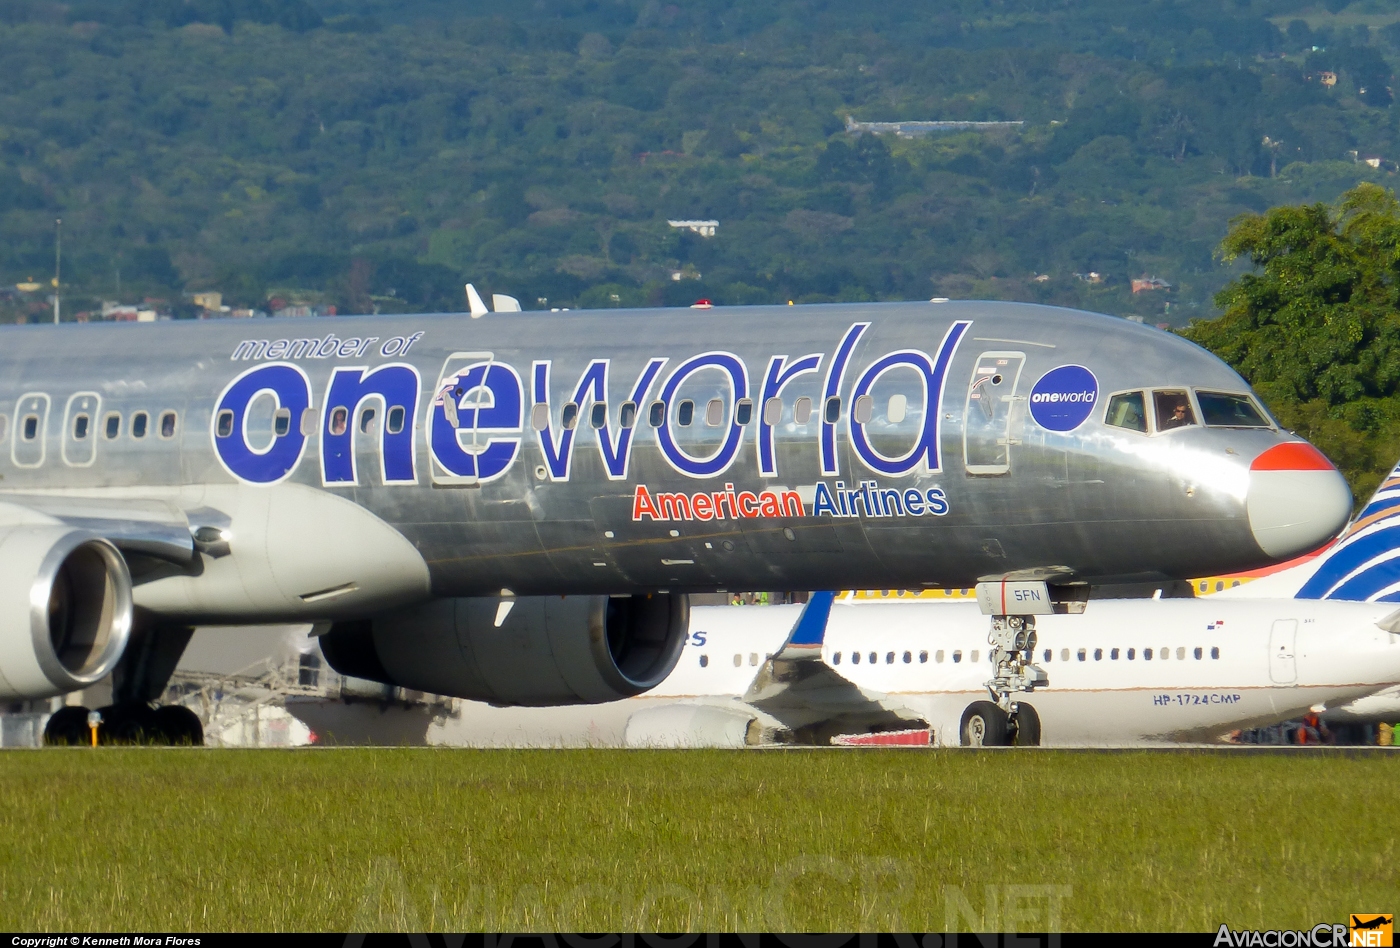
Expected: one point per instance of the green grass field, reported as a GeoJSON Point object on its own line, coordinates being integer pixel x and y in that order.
{"type": "Point", "coordinates": [600, 840]}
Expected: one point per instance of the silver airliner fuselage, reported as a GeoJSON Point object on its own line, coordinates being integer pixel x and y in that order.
{"type": "Point", "coordinates": [884, 445]}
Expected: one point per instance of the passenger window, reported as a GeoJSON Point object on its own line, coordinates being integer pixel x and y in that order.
{"type": "Point", "coordinates": [836, 659]}
{"type": "Point", "coordinates": [1223, 410]}
{"type": "Point", "coordinates": [1219, 585]}
{"type": "Point", "coordinates": [139, 421]}
{"type": "Point", "coordinates": [340, 420]}
{"type": "Point", "coordinates": [1081, 655]}
{"type": "Point", "coordinates": [282, 422]}
{"type": "Point", "coordinates": [864, 409]}
{"type": "Point", "coordinates": [973, 656]}
{"type": "Point", "coordinates": [898, 408]}
{"type": "Point", "coordinates": [656, 416]}
{"type": "Point", "coordinates": [1127, 411]}
{"type": "Point", "coordinates": [957, 656]}
{"type": "Point", "coordinates": [1098, 654]}
{"type": "Point", "coordinates": [31, 427]}
{"type": "Point", "coordinates": [743, 412]}
{"type": "Point", "coordinates": [1164, 654]}
{"type": "Point", "coordinates": [802, 410]}
{"type": "Point", "coordinates": [889, 658]}
{"type": "Point", "coordinates": [923, 658]}
{"type": "Point", "coordinates": [833, 409]}
{"type": "Point", "coordinates": [938, 656]}
{"type": "Point", "coordinates": [1131, 655]}
{"type": "Point", "coordinates": [685, 414]}
{"type": "Point", "coordinates": [772, 411]}
{"type": "Point", "coordinates": [167, 424]}
{"type": "Point", "coordinates": [539, 416]}
{"type": "Point", "coordinates": [738, 661]}
{"type": "Point", "coordinates": [1173, 410]}
{"type": "Point", "coordinates": [704, 661]}
{"type": "Point", "coordinates": [908, 658]}
{"type": "Point", "coordinates": [598, 417]}
{"type": "Point", "coordinates": [1147, 655]}
{"type": "Point", "coordinates": [1113, 655]}
{"type": "Point", "coordinates": [873, 659]}
{"type": "Point", "coordinates": [112, 432]}
{"type": "Point", "coordinates": [81, 423]}
{"type": "Point", "coordinates": [855, 658]}
{"type": "Point", "coordinates": [753, 658]}
{"type": "Point", "coordinates": [223, 425]}
{"type": "Point", "coordinates": [1215, 651]}
{"type": "Point", "coordinates": [629, 414]}
{"type": "Point", "coordinates": [1197, 653]}
{"type": "Point", "coordinates": [396, 419]}
{"type": "Point", "coordinates": [569, 418]}
{"type": "Point", "coordinates": [714, 413]}
{"type": "Point", "coordinates": [1064, 654]}
{"type": "Point", "coordinates": [366, 420]}
{"type": "Point", "coordinates": [1049, 655]}
{"type": "Point", "coordinates": [310, 418]}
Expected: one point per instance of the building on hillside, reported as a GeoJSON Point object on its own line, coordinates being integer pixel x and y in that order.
{"type": "Point", "coordinates": [917, 129]}
{"type": "Point", "coordinates": [1148, 284]}
{"type": "Point", "coordinates": [703, 228]}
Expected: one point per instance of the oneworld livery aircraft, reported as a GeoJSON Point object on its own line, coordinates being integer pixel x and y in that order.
{"type": "Point", "coordinates": [514, 508]}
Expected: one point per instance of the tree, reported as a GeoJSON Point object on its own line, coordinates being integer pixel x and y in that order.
{"type": "Point", "coordinates": [1317, 330]}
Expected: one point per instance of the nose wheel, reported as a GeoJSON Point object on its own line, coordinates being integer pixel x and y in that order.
{"type": "Point", "coordinates": [1015, 673]}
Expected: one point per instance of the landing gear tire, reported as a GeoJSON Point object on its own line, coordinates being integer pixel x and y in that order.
{"type": "Point", "coordinates": [67, 726]}
{"type": "Point", "coordinates": [984, 725]}
{"type": "Point", "coordinates": [1026, 727]}
{"type": "Point", "coordinates": [127, 724]}
{"type": "Point", "coordinates": [178, 725]}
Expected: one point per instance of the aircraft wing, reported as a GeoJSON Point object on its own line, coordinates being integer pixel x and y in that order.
{"type": "Point", "coordinates": [143, 529]}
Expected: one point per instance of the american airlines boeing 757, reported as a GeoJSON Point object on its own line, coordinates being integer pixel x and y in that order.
{"type": "Point", "coordinates": [514, 508]}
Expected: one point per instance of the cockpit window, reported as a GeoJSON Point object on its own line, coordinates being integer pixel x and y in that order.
{"type": "Point", "coordinates": [1173, 410]}
{"type": "Point", "coordinates": [1221, 409]}
{"type": "Point", "coordinates": [1128, 410]}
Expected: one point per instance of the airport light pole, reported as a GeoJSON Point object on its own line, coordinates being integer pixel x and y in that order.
{"type": "Point", "coordinates": [57, 265]}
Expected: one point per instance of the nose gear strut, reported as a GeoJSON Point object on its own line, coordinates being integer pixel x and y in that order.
{"type": "Point", "coordinates": [1013, 639]}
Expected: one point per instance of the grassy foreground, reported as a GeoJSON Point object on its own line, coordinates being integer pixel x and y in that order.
{"type": "Point", "coordinates": [598, 840]}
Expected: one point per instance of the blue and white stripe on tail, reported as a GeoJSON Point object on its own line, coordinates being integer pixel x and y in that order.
{"type": "Point", "coordinates": [809, 632]}
{"type": "Point", "coordinates": [1364, 565]}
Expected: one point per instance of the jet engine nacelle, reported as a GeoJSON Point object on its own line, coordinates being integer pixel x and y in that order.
{"type": "Point", "coordinates": [534, 650]}
{"type": "Point", "coordinates": [65, 610]}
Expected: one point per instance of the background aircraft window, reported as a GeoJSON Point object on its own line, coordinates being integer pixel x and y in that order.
{"type": "Point", "coordinates": [743, 412]}
{"type": "Point", "coordinates": [908, 657]}
{"type": "Point", "coordinates": [772, 411]}
{"type": "Point", "coordinates": [138, 424]}
{"type": "Point", "coordinates": [753, 658]}
{"type": "Point", "coordinates": [113, 429]}
{"type": "Point", "coordinates": [1198, 653]}
{"type": "Point", "coordinates": [873, 658]}
{"type": "Point", "coordinates": [31, 427]}
{"type": "Point", "coordinates": [836, 659]}
{"type": "Point", "coordinates": [539, 416]}
{"type": "Point", "coordinates": [802, 410]}
{"type": "Point", "coordinates": [309, 420]}
{"type": "Point", "coordinates": [938, 656]}
{"type": "Point", "coordinates": [629, 414]}
{"type": "Point", "coordinates": [1064, 654]}
{"type": "Point", "coordinates": [864, 409]}
{"type": "Point", "coordinates": [80, 427]}
{"type": "Point", "coordinates": [281, 422]}
{"type": "Point", "coordinates": [685, 414]}
{"type": "Point", "coordinates": [598, 416]}
{"type": "Point", "coordinates": [1173, 410]}
{"type": "Point", "coordinates": [1164, 654]}
{"type": "Point", "coordinates": [714, 412]}
{"type": "Point", "coordinates": [569, 417]}
{"type": "Point", "coordinates": [1215, 651]}
{"type": "Point", "coordinates": [833, 409]}
{"type": "Point", "coordinates": [1113, 655]}
{"type": "Point", "coordinates": [1098, 654]}
{"type": "Point", "coordinates": [656, 415]}
{"type": "Point", "coordinates": [923, 658]}
{"type": "Point", "coordinates": [704, 661]}
{"type": "Point", "coordinates": [855, 658]}
{"type": "Point", "coordinates": [957, 656]}
{"type": "Point", "coordinates": [1230, 411]}
{"type": "Point", "coordinates": [898, 408]}
{"type": "Point", "coordinates": [340, 418]}
{"type": "Point", "coordinates": [1127, 411]}
{"type": "Point", "coordinates": [1081, 655]}
{"type": "Point", "coordinates": [1146, 654]}
{"type": "Point", "coordinates": [1131, 654]}
{"type": "Point", "coordinates": [973, 656]}
{"type": "Point", "coordinates": [366, 419]}
{"type": "Point", "coordinates": [224, 425]}
{"type": "Point", "coordinates": [738, 660]}
{"type": "Point", "coordinates": [889, 658]}
{"type": "Point", "coordinates": [1049, 654]}
{"type": "Point", "coordinates": [396, 418]}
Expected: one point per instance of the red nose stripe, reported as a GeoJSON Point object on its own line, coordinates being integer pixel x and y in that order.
{"type": "Point", "coordinates": [1292, 456]}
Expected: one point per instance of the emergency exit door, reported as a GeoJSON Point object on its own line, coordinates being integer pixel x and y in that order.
{"type": "Point", "coordinates": [989, 412]}
{"type": "Point", "coordinates": [1283, 669]}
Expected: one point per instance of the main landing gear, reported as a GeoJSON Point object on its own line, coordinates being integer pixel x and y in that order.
{"type": "Point", "coordinates": [169, 725]}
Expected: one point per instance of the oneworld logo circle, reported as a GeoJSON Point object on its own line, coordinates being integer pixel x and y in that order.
{"type": "Point", "coordinates": [1064, 397]}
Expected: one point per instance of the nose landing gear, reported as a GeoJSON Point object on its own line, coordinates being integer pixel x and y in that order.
{"type": "Point", "coordinates": [1013, 639]}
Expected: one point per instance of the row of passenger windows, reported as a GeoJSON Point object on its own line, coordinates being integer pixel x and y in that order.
{"type": "Point", "coordinates": [1147, 654]}
{"type": "Point", "coordinates": [1173, 408]}
{"type": "Point", "coordinates": [112, 423]}
{"type": "Point", "coordinates": [802, 411]}
{"type": "Point", "coordinates": [337, 424]}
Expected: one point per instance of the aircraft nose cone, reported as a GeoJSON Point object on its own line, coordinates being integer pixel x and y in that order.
{"type": "Point", "coordinates": [1297, 500]}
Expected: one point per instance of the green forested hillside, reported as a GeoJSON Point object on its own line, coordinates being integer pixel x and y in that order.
{"type": "Point", "coordinates": [369, 153]}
